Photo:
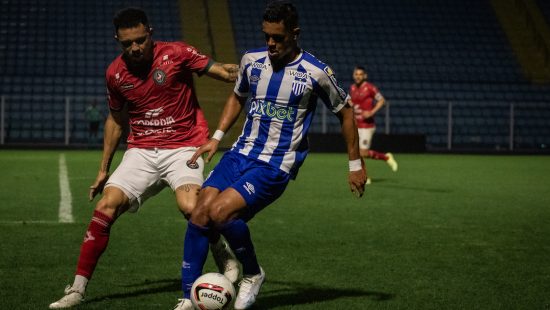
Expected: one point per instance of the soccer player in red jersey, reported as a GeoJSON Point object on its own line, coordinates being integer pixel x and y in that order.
{"type": "Point", "coordinates": [366, 100]}
{"type": "Point", "coordinates": [150, 85]}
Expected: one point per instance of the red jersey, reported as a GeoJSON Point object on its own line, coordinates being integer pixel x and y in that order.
{"type": "Point", "coordinates": [163, 109]}
{"type": "Point", "coordinates": [363, 99]}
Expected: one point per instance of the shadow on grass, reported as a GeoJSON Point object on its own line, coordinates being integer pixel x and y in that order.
{"type": "Point", "coordinates": [391, 183]}
{"type": "Point", "coordinates": [297, 293]}
{"type": "Point", "coordinates": [289, 293]}
{"type": "Point", "coordinates": [145, 288]}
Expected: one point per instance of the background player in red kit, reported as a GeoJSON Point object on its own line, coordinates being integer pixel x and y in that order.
{"type": "Point", "coordinates": [151, 85]}
{"type": "Point", "coordinates": [366, 101]}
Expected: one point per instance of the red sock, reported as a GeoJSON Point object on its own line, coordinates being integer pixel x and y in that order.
{"type": "Point", "coordinates": [376, 155]}
{"type": "Point", "coordinates": [95, 242]}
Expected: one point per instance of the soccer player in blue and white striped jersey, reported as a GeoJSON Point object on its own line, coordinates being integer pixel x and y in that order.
{"type": "Point", "coordinates": [282, 84]}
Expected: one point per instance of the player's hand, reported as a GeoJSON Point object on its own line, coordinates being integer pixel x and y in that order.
{"type": "Point", "coordinates": [357, 180]}
{"type": "Point", "coordinates": [211, 147]}
{"type": "Point", "coordinates": [367, 114]}
{"type": "Point", "coordinates": [98, 185]}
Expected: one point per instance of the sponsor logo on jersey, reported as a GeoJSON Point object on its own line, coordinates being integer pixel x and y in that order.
{"type": "Point", "coordinates": [166, 61]}
{"type": "Point", "coordinates": [195, 52]}
{"type": "Point", "coordinates": [272, 110]}
{"type": "Point", "coordinates": [127, 86]}
{"type": "Point", "coordinates": [254, 79]}
{"type": "Point", "coordinates": [117, 76]}
{"type": "Point", "coordinates": [298, 74]}
{"type": "Point", "coordinates": [154, 113]}
{"type": "Point", "coordinates": [159, 76]}
{"type": "Point", "coordinates": [249, 188]}
{"type": "Point", "coordinates": [258, 65]}
{"type": "Point", "coordinates": [332, 78]}
{"type": "Point", "coordinates": [191, 165]}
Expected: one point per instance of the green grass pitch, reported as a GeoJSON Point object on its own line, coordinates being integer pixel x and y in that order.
{"type": "Point", "coordinates": [444, 232]}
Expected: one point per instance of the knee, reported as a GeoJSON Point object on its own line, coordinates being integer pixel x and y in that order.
{"type": "Point", "coordinates": [106, 207]}
{"type": "Point", "coordinates": [186, 208]}
{"type": "Point", "coordinates": [218, 215]}
{"type": "Point", "coordinates": [199, 214]}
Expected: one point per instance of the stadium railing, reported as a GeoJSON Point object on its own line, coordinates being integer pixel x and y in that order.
{"type": "Point", "coordinates": [43, 120]}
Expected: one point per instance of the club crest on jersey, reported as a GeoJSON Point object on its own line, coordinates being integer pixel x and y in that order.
{"type": "Point", "coordinates": [159, 76]}
{"type": "Point", "coordinates": [298, 87]}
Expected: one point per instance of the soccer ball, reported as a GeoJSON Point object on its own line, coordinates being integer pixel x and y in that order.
{"type": "Point", "coordinates": [212, 291]}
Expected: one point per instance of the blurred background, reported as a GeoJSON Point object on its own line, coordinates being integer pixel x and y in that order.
{"type": "Point", "coordinates": [458, 75]}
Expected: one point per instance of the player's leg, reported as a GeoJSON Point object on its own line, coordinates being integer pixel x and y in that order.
{"type": "Point", "coordinates": [195, 247]}
{"type": "Point", "coordinates": [187, 179]}
{"type": "Point", "coordinates": [198, 228]}
{"type": "Point", "coordinates": [258, 187]}
{"type": "Point", "coordinates": [124, 191]}
{"type": "Point", "coordinates": [110, 206]}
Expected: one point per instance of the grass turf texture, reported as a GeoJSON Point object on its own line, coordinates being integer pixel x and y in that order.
{"type": "Point", "coordinates": [445, 232]}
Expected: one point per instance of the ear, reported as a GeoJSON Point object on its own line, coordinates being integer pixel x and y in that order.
{"type": "Point", "coordinates": [296, 32]}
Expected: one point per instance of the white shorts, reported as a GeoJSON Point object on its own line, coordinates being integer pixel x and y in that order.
{"type": "Point", "coordinates": [143, 173]}
{"type": "Point", "coordinates": [365, 137]}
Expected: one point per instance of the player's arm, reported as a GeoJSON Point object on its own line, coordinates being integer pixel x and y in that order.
{"type": "Point", "coordinates": [380, 101]}
{"type": "Point", "coordinates": [231, 110]}
{"type": "Point", "coordinates": [358, 173]}
{"type": "Point", "coordinates": [223, 72]}
{"type": "Point", "coordinates": [111, 137]}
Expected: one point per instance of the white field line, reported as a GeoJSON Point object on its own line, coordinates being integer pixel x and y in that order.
{"type": "Point", "coordinates": [65, 203]}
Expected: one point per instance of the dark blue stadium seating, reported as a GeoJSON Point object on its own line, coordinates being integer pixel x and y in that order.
{"type": "Point", "coordinates": [53, 49]}
{"type": "Point", "coordinates": [423, 55]}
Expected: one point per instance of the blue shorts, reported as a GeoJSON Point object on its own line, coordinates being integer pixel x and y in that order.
{"type": "Point", "coordinates": [258, 183]}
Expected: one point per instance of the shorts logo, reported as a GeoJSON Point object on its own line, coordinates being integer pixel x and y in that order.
{"type": "Point", "coordinates": [191, 165]}
{"type": "Point", "coordinates": [159, 76]}
{"type": "Point", "coordinates": [249, 188]}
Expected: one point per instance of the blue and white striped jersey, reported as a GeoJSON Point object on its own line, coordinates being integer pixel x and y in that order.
{"type": "Point", "coordinates": [281, 106]}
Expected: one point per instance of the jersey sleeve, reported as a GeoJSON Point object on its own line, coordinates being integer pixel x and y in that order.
{"type": "Point", "coordinates": [242, 86]}
{"type": "Point", "coordinates": [114, 98]}
{"type": "Point", "coordinates": [377, 94]}
{"type": "Point", "coordinates": [191, 59]}
{"type": "Point", "coordinates": [332, 95]}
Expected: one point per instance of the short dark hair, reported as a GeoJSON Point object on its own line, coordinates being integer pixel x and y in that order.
{"type": "Point", "coordinates": [360, 68]}
{"type": "Point", "coordinates": [284, 11]}
{"type": "Point", "coordinates": [130, 18]}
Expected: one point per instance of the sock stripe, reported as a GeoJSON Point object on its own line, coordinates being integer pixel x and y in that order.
{"type": "Point", "coordinates": [100, 221]}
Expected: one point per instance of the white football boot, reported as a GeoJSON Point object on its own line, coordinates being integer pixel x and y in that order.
{"type": "Point", "coordinates": [72, 298]}
{"type": "Point", "coordinates": [225, 260]}
{"type": "Point", "coordinates": [184, 304]}
{"type": "Point", "coordinates": [249, 288]}
{"type": "Point", "coordinates": [391, 162]}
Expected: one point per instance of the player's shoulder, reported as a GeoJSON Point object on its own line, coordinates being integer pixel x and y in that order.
{"type": "Point", "coordinates": [370, 86]}
{"type": "Point", "coordinates": [315, 66]}
{"type": "Point", "coordinates": [253, 55]}
{"type": "Point", "coordinates": [115, 67]}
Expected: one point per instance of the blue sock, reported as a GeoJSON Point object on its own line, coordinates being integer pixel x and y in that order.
{"type": "Point", "coordinates": [237, 235]}
{"type": "Point", "coordinates": [195, 251]}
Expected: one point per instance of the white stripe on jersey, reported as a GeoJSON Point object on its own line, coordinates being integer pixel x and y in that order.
{"type": "Point", "coordinates": [281, 105]}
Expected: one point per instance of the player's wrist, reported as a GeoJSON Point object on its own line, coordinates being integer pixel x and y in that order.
{"type": "Point", "coordinates": [218, 135]}
{"type": "Point", "coordinates": [355, 165]}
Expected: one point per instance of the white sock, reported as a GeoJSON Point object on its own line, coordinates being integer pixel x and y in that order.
{"type": "Point", "coordinates": [80, 283]}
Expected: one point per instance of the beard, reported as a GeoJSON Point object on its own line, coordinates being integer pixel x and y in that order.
{"type": "Point", "coordinates": [138, 63]}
